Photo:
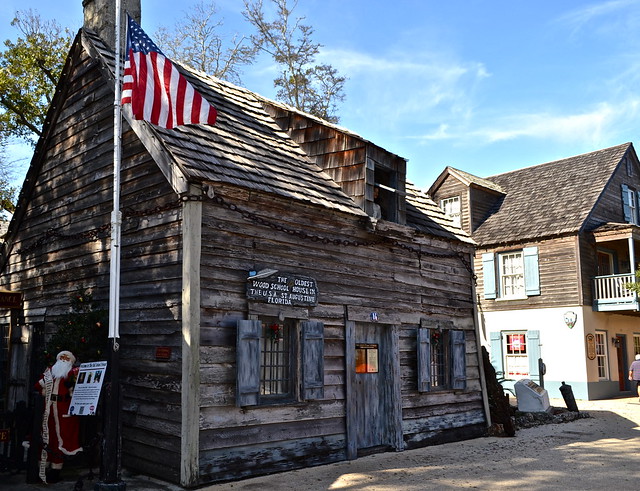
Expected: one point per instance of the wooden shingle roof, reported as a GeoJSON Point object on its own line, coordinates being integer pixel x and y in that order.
{"type": "Point", "coordinates": [244, 148]}
{"type": "Point", "coordinates": [549, 199]}
{"type": "Point", "coordinates": [247, 148]}
{"type": "Point", "coordinates": [426, 216]}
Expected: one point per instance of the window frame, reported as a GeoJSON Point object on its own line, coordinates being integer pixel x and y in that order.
{"type": "Point", "coordinates": [602, 355]}
{"type": "Point", "coordinates": [271, 378]}
{"type": "Point", "coordinates": [455, 216]}
{"type": "Point", "coordinates": [636, 344]}
{"type": "Point", "coordinates": [502, 276]}
{"type": "Point", "coordinates": [513, 353]}
{"type": "Point", "coordinates": [454, 343]}
{"type": "Point", "coordinates": [493, 284]}
{"type": "Point", "coordinates": [306, 362]}
{"type": "Point", "coordinates": [630, 198]}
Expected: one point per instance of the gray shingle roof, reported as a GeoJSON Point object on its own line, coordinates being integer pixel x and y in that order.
{"type": "Point", "coordinates": [426, 216]}
{"type": "Point", "coordinates": [549, 199]}
{"type": "Point", "coordinates": [247, 148]}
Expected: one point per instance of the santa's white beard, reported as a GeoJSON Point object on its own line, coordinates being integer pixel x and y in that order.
{"type": "Point", "coordinates": [61, 368]}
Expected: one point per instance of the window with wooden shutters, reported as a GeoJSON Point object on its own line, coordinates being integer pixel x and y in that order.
{"type": "Point", "coordinates": [279, 361]}
{"type": "Point", "coordinates": [441, 359]}
{"type": "Point", "coordinates": [511, 275]}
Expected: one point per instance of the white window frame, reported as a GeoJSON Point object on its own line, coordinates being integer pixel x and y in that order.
{"type": "Point", "coordinates": [516, 360]}
{"type": "Point", "coordinates": [511, 283]}
{"type": "Point", "coordinates": [602, 355]}
{"type": "Point", "coordinates": [633, 209]}
{"type": "Point", "coordinates": [452, 208]}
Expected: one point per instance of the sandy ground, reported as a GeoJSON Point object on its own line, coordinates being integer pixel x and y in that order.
{"type": "Point", "coordinates": [600, 452]}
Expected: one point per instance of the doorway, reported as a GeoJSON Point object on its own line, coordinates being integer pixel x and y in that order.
{"type": "Point", "coordinates": [620, 344]}
{"type": "Point", "coordinates": [374, 415]}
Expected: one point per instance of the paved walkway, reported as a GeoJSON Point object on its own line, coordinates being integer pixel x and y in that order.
{"type": "Point", "coordinates": [600, 452]}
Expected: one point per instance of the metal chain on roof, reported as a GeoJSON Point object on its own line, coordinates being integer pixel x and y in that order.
{"type": "Point", "coordinates": [379, 239]}
{"type": "Point", "coordinates": [130, 212]}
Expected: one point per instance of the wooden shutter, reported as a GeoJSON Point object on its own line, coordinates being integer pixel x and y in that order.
{"type": "Point", "coordinates": [458, 359]}
{"type": "Point", "coordinates": [533, 353]}
{"type": "Point", "coordinates": [626, 205]}
{"type": "Point", "coordinates": [489, 275]}
{"type": "Point", "coordinates": [312, 360]}
{"type": "Point", "coordinates": [531, 271]}
{"type": "Point", "coordinates": [424, 359]}
{"type": "Point", "coordinates": [248, 362]}
{"type": "Point", "coordinates": [497, 360]}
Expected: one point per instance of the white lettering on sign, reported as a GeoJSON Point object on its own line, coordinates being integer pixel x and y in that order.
{"type": "Point", "coordinates": [283, 289]}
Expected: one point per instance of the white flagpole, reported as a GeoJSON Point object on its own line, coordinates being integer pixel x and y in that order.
{"type": "Point", "coordinates": [111, 450]}
{"type": "Point", "coordinates": [116, 216]}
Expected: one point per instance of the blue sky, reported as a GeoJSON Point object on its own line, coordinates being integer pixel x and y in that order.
{"type": "Point", "coordinates": [483, 86]}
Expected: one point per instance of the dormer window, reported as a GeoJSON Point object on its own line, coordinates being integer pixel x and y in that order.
{"type": "Point", "coordinates": [385, 194]}
{"type": "Point", "coordinates": [451, 208]}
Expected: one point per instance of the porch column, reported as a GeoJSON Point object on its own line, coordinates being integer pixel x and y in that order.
{"type": "Point", "coordinates": [632, 257]}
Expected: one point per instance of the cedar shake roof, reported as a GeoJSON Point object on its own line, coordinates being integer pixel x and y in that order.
{"type": "Point", "coordinates": [247, 148]}
{"type": "Point", "coordinates": [466, 178]}
{"type": "Point", "coordinates": [549, 199]}
{"type": "Point", "coordinates": [426, 216]}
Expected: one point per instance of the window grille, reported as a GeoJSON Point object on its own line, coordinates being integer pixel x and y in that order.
{"type": "Point", "coordinates": [601, 355]}
{"type": "Point", "coordinates": [512, 275]}
{"type": "Point", "coordinates": [275, 366]}
{"type": "Point", "coordinates": [439, 359]}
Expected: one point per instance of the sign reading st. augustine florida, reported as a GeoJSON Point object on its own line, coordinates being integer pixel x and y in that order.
{"type": "Point", "coordinates": [274, 287]}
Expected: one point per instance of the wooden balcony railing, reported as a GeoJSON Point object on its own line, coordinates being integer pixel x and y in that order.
{"type": "Point", "coordinates": [609, 293]}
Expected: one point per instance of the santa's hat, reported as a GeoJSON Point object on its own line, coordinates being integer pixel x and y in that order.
{"type": "Point", "coordinates": [69, 354]}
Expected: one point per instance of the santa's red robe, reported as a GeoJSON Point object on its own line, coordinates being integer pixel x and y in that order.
{"type": "Point", "coordinates": [63, 429]}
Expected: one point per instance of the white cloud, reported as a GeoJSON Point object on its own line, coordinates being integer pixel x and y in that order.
{"type": "Point", "coordinates": [579, 18]}
{"type": "Point", "coordinates": [594, 127]}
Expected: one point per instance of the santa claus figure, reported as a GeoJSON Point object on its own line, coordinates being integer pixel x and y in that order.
{"type": "Point", "coordinates": [60, 430]}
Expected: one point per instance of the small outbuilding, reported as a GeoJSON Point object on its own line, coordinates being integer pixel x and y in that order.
{"type": "Point", "coordinates": [269, 319]}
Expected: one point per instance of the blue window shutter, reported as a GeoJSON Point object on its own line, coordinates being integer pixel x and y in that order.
{"type": "Point", "coordinates": [626, 205]}
{"type": "Point", "coordinates": [424, 359]}
{"type": "Point", "coordinates": [489, 275]}
{"type": "Point", "coordinates": [312, 360]}
{"type": "Point", "coordinates": [533, 352]}
{"type": "Point", "coordinates": [248, 362]}
{"type": "Point", "coordinates": [495, 339]}
{"type": "Point", "coordinates": [531, 271]}
{"type": "Point", "coordinates": [458, 359]}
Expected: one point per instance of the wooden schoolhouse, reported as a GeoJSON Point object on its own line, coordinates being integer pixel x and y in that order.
{"type": "Point", "coordinates": [273, 314]}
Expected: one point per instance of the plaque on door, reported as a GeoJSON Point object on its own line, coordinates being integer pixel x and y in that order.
{"type": "Point", "coordinates": [366, 358]}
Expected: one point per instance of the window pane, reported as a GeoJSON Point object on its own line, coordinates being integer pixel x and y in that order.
{"type": "Point", "coordinates": [516, 359]}
{"type": "Point", "coordinates": [275, 371]}
{"type": "Point", "coordinates": [439, 359]}
{"type": "Point", "coordinates": [451, 208]}
{"type": "Point", "coordinates": [601, 355]}
{"type": "Point", "coordinates": [512, 275]}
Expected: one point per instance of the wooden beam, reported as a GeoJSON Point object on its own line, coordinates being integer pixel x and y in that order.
{"type": "Point", "coordinates": [191, 253]}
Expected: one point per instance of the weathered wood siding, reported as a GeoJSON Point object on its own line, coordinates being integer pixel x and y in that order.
{"type": "Point", "coordinates": [71, 196]}
{"type": "Point", "coordinates": [559, 276]}
{"type": "Point", "coordinates": [238, 442]}
{"type": "Point", "coordinates": [482, 203]}
{"type": "Point", "coordinates": [450, 188]}
{"type": "Point", "coordinates": [347, 158]}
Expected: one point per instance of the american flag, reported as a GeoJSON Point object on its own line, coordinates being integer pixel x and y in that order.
{"type": "Point", "coordinates": [156, 90]}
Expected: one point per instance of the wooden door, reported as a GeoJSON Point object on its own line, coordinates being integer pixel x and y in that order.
{"type": "Point", "coordinates": [373, 396]}
{"type": "Point", "coordinates": [369, 375]}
